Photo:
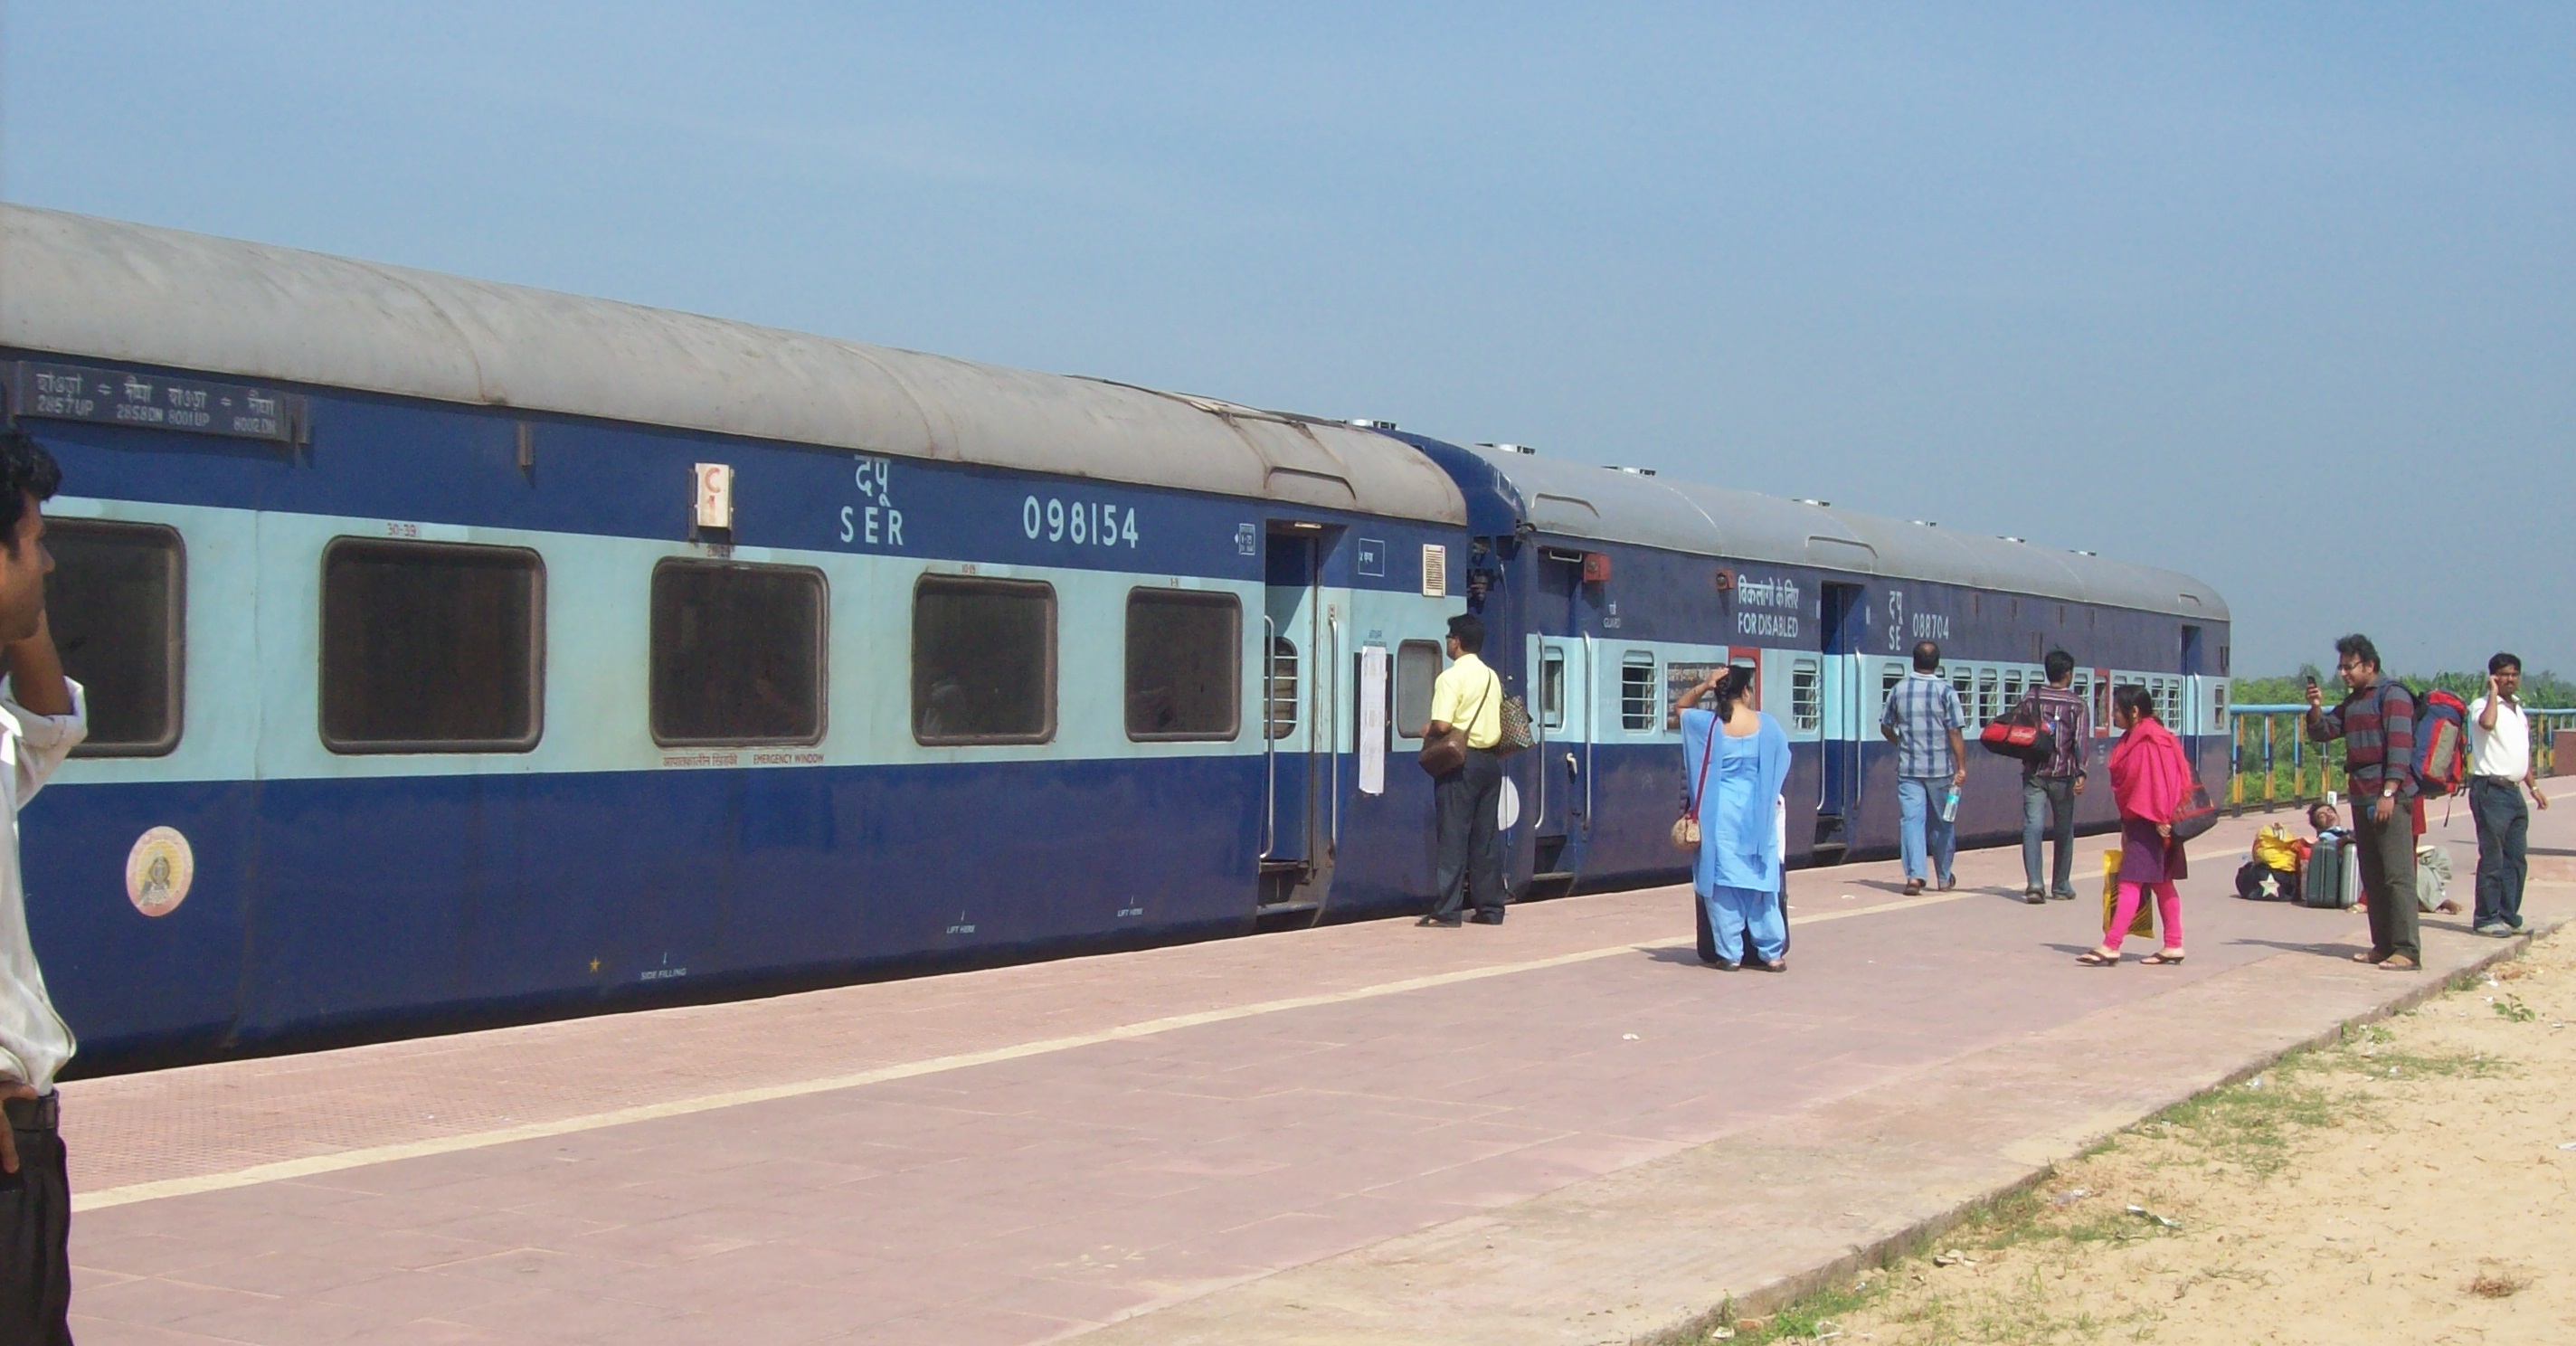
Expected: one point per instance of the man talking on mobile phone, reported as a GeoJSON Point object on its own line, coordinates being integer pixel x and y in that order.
{"type": "Point", "coordinates": [2376, 722]}
{"type": "Point", "coordinates": [42, 719]}
{"type": "Point", "coordinates": [2499, 771]}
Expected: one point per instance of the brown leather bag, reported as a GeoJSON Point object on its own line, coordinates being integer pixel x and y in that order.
{"type": "Point", "coordinates": [1444, 753]}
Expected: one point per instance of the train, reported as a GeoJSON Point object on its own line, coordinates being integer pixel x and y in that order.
{"type": "Point", "coordinates": [462, 654]}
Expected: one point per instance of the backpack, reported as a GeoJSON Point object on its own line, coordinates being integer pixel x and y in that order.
{"type": "Point", "coordinates": [2441, 743]}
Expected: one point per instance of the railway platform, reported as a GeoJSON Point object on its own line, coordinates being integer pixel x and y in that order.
{"type": "Point", "coordinates": [1559, 1130]}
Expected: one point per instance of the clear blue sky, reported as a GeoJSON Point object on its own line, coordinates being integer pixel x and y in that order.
{"type": "Point", "coordinates": [2281, 295]}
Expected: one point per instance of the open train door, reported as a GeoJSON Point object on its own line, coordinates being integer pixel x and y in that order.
{"type": "Point", "coordinates": [1301, 732]}
{"type": "Point", "coordinates": [1846, 712]}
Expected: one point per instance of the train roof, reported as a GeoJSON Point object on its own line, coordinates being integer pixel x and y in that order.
{"type": "Point", "coordinates": [1582, 501]}
{"type": "Point", "coordinates": [81, 286]}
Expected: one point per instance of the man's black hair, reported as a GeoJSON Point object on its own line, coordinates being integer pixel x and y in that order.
{"type": "Point", "coordinates": [26, 470]}
{"type": "Point", "coordinates": [2131, 696]}
{"type": "Point", "coordinates": [1468, 630]}
{"type": "Point", "coordinates": [2502, 661]}
{"type": "Point", "coordinates": [2060, 666]}
{"type": "Point", "coordinates": [2358, 648]}
{"type": "Point", "coordinates": [2312, 811]}
{"type": "Point", "coordinates": [1927, 657]}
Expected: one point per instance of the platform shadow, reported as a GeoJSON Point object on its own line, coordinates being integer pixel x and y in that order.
{"type": "Point", "coordinates": [2338, 949]}
{"type": "Point", "coordinates": [1680, 953]}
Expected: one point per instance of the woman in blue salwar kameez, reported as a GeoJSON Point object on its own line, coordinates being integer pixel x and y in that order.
{"type": "Point", "coordinates": [1736, 759]}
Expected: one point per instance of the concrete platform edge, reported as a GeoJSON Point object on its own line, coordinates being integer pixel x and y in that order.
{"type": "Point", "coordinates": [1915, 1238]}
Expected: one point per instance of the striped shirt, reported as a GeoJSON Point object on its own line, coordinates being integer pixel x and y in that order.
{"type": "Point", "coordinates": [2070, 723]}
{"type": "Point", "coordinates": [2377, 726]}
{"type": "Point", "coordinates": [1923, 710]}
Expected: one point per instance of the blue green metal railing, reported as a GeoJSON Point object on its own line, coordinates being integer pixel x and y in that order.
{"type": "Point", "coordinates": [2271, 763]}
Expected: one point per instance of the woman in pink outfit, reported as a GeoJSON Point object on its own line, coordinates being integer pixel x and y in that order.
{"type": "Point", "coordinates": [2150, 777]}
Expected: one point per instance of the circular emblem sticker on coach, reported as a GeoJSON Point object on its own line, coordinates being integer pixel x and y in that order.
{"type": "Point", "coordinates": [158, 871]}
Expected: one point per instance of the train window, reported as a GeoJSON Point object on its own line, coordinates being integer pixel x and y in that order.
{"type": "Point", "coordinates": [1637, 691]}
{"type": "Point", "coordinates": [1551, 683]}
{"type": "Point", "coordinates": [1988, 689]}
{"type": "Point", "coordinates": [117, 605]}
{"type": "Point", "coordinates": [1417, 666]}
{"type": "Point", "coordinates": [1893, 674]}
{"type": "Point", "coordinates": [1964, 682]}
{"type": "Point", "coordinates": [1806, 694]}
{"type": "Point", "coordinates": [737, 653]}
{"type": "Point", "coordinates": [432, 647]}
{"type": "Point", "coordinates": [2012, 688]}
{"type": "Point", "coordinates": [983, 660]}
{"type": "Point", "coordinates": [1184, 664]}
{"type": "Point", "coordinates": [2217, 706]}
{"type": "Point", "coordinates": [1283, 687]}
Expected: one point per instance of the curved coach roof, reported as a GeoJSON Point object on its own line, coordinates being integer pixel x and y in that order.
{"type": "Point", "coordinates": [1608, 505]}
{"type": "Point", "coordinates": [76, 285]}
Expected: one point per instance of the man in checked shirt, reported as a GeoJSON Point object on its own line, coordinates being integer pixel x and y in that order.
{"type": "Point", "coordinates": [2377, 725]}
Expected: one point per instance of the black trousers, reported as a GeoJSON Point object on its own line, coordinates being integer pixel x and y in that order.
{"type": "Point", "coordinates": [2387, 855]}
{"type": "Point", "coordinates": [2504, 835]}
{"type": "Point", "coordinates": [35, 1233]}
{"type": "Point", "coordinates": [1471, 847]}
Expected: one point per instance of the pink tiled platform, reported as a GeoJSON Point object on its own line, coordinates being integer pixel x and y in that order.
{"type": "Point", "coordinates": [1076, 1169]}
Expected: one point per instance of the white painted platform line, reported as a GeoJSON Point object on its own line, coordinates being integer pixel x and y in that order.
{"type": "Point", "coordinates": [315, 1165]}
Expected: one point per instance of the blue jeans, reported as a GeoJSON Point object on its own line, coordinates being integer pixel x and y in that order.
{"type": "Point", "coordinates": [2504, 833]}
{"type": "Point", "coordinates": [1923, 827]}
{"type": "Point", "coordinates": [2048, 807]}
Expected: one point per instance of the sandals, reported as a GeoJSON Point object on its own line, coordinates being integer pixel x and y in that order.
{"type": "Point", "coordinates": [2161, 959]}
{"type": "Point", "coordinates": [2097, 958]}
{"type": "Point", "coordinates": [2370, 956]}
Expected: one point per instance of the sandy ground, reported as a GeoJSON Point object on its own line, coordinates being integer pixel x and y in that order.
{"type": "Point", "coordinates": [2416, 1183]}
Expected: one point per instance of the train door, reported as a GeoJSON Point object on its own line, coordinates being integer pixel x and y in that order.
{"type": "Point", "coordinates": [1561, 723]}
{"type": "Point", "coordinates": [1845, 709]}
{"type": "Point", "coordinates": [1300, 777]}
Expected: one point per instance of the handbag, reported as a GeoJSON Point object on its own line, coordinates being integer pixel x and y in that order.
{"type": "Point", "coordinates": [1444, 753]}
{"type": "Point", "coordinates": [2198, 814]}
{"type": "Point", "coordinates": [1516, 728]}
{"type": "Point", "coordinates": [1686, 827]}
{"type": "Point", "coordinates": [2022, 734]}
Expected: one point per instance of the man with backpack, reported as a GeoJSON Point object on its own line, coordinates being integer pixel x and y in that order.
{"type": "Point", "coordinates": [2376, 722]}
{"type": "Point", "coordinates": [2049, 788]}
{"type": "Point", "coordinates": [2499, 771]}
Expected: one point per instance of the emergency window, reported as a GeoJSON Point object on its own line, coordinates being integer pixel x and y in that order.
{"type": "Point", "coordinates": [117, 605]}
{"type": "Point", "coordinates": [1184, 662]}
{"type": "Point", "coordinates": [1283, 687]}
{"type": "Point", "coordinates": [983, 660]}
{"type": "Point", "coordinates": [1552, 690]}
{"type": "Point", "coordinates": [1806, 694]}
{"type": "Point", "coordinates": [432, 647]}
{"type": "Point", "coordinates": [1637, 692]}
{"type": "Point", "coordinates": [737, 653]}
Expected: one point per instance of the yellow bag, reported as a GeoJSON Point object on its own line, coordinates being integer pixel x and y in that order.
{"type": "Point", "coordinates": [2272, 847]}
{"type": "Point", "coordinates": [2144, 923]}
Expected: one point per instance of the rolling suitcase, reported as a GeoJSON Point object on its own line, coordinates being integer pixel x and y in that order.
{"type": "Point", "coordinates": [2333, 875]}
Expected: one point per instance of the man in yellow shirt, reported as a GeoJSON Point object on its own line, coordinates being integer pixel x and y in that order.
{"type": "Point", "coordinates": [1469, 696]}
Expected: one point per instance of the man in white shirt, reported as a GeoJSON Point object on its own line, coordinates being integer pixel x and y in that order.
{"type": "Point", "coordinates": [2499, 771]}
{"type": "Point", "coordinates": [41, 720]}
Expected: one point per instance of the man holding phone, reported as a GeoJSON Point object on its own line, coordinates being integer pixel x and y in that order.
{"type": "Point", "coordinates": [2376, 721]}
{"type": "Point", "coordinates": [2499, 771]}
{"type": "Point", "coordinates": [42, 719]}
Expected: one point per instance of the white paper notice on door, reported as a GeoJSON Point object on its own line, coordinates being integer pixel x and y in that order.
{"type": "Point", "coordinates": [1373, 719]}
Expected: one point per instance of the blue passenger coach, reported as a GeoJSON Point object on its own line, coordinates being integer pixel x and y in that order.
{"type": "Point", "coordinates": [463, 653]}
{"type": "Point", "coordinates": [459, 652]}
{"type": "Point", "coordinates": [1618, 589]}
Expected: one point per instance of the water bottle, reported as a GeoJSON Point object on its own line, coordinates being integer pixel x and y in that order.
{"type": "Point", "coordinates": [1950, 805]}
